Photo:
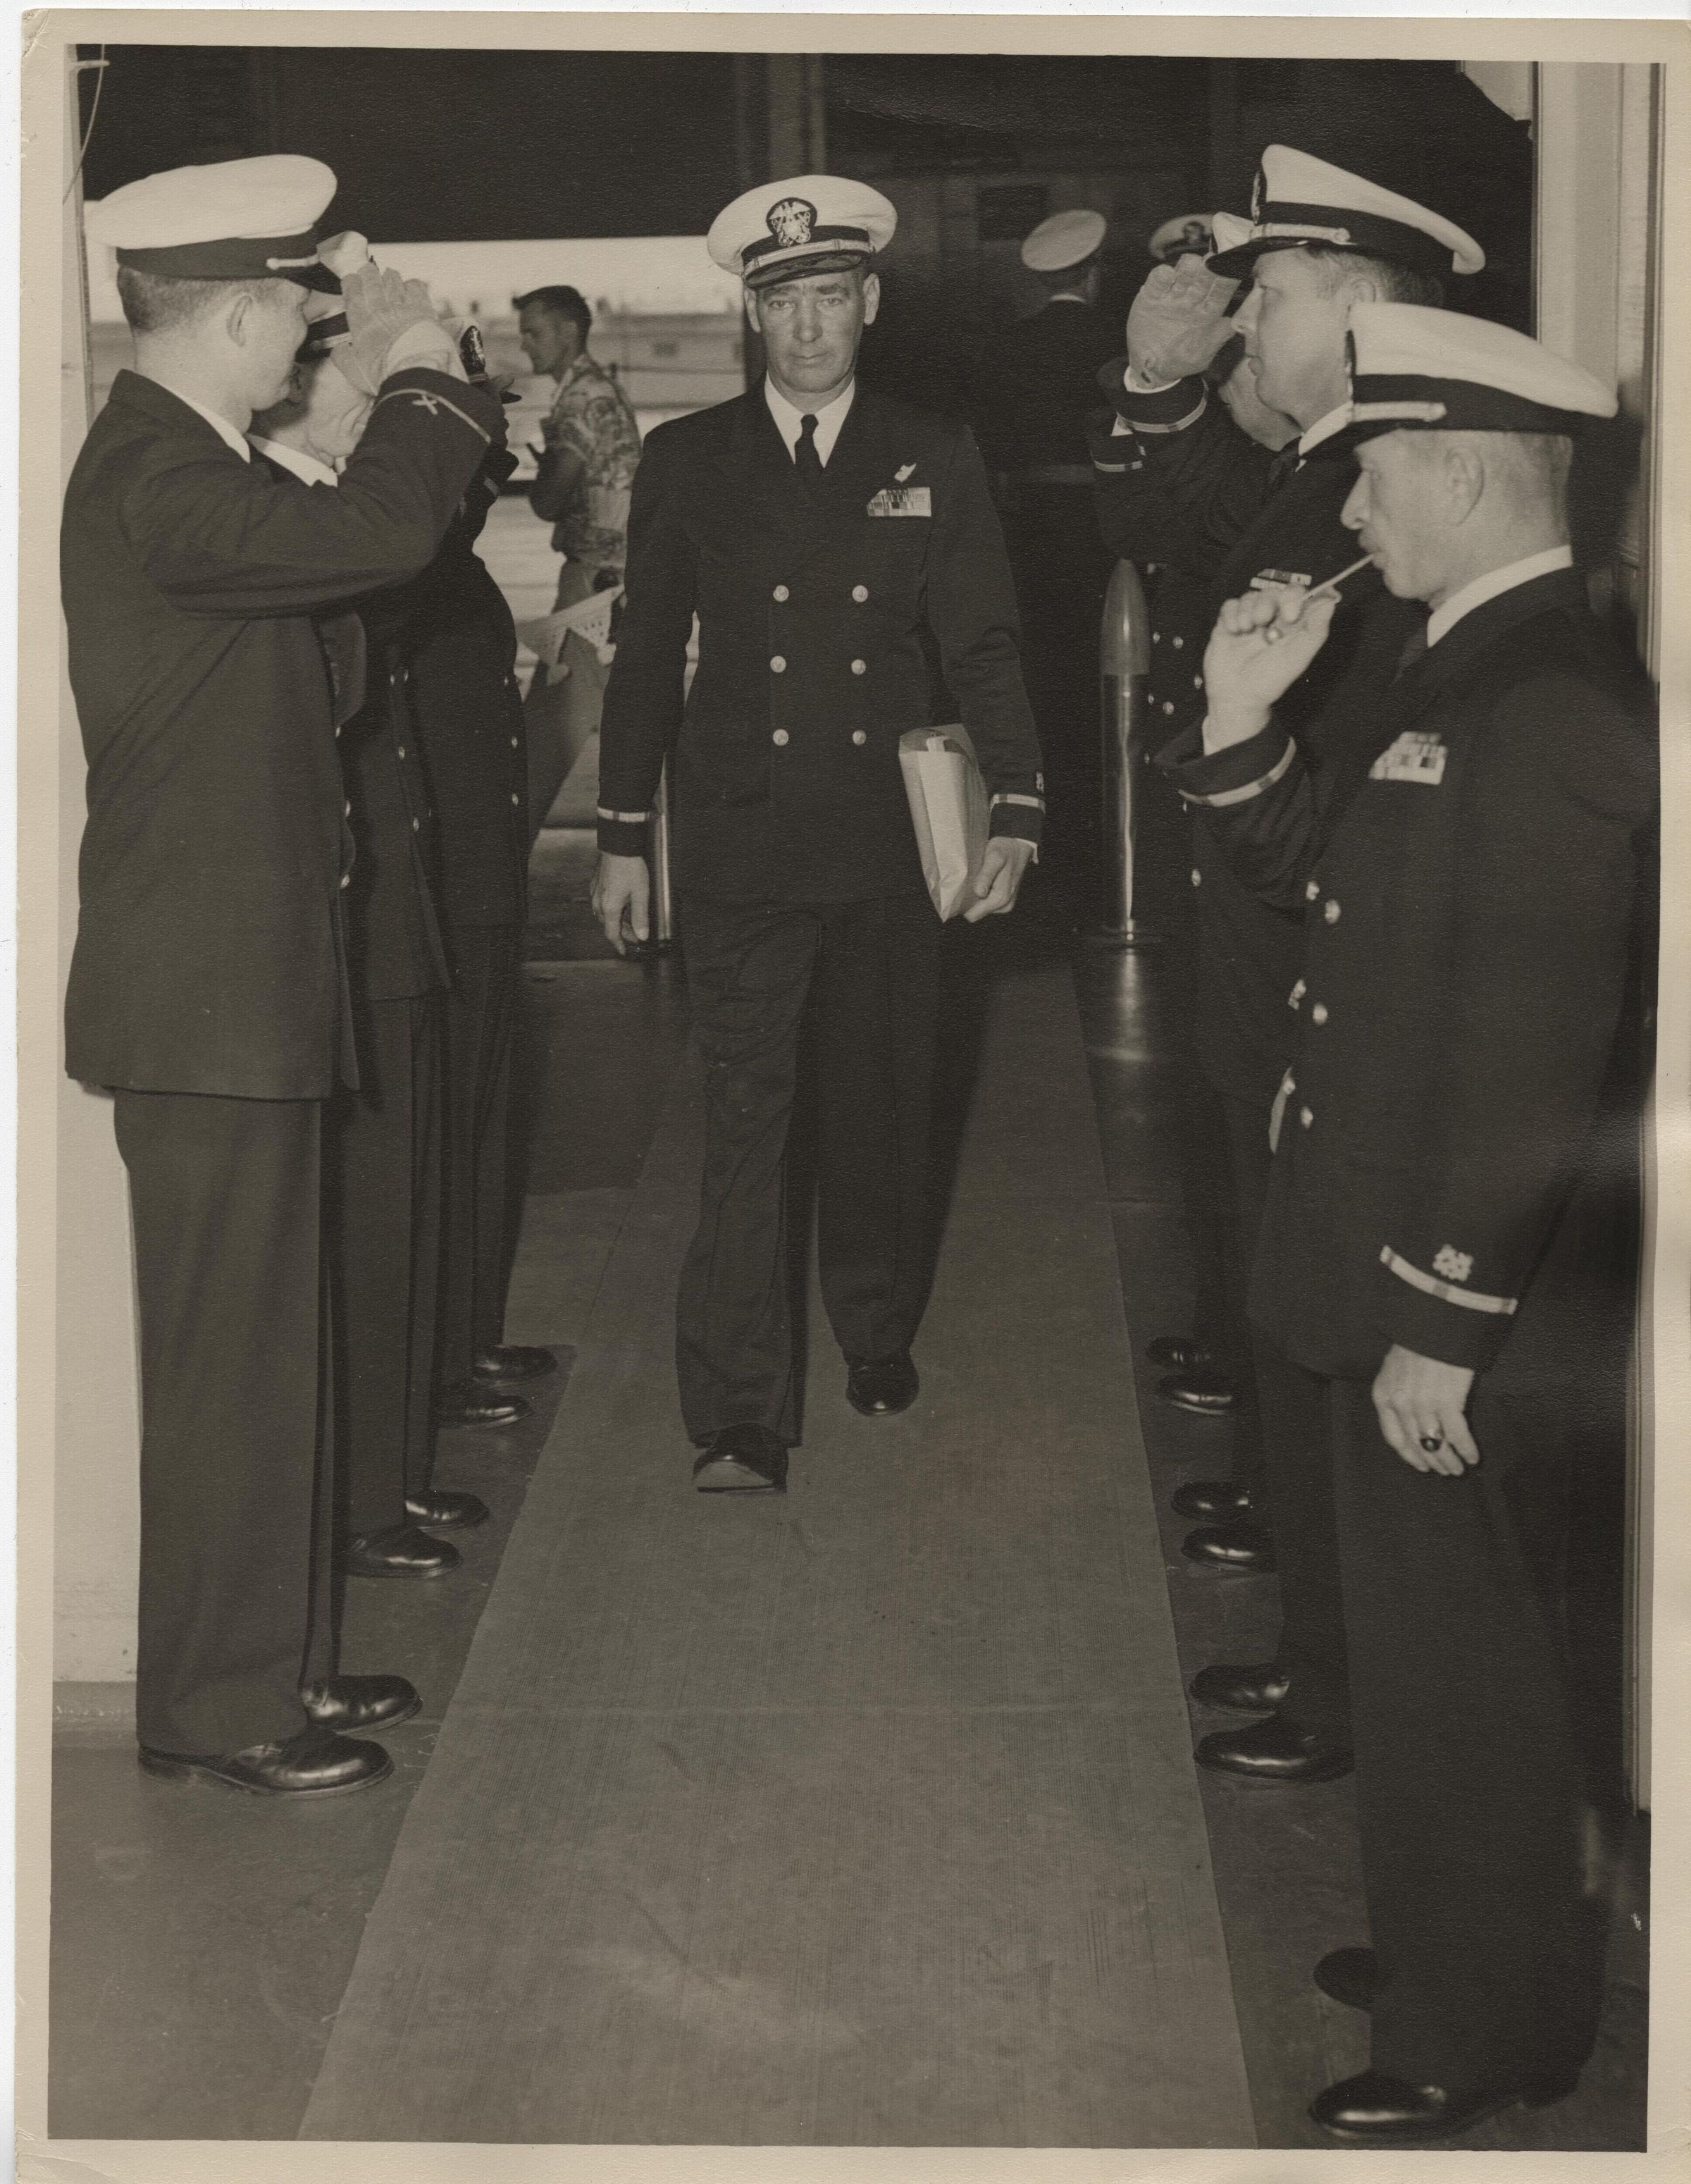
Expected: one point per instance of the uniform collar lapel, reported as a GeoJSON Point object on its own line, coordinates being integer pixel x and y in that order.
{"type": "Point", "coordinates": [1462, 645]}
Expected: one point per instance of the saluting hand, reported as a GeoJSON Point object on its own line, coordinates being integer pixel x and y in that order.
{"type": "Point", "coordinates": [622, 900]}
{"type": "Point", "coordinates": [381, 306]}
{"type": "Point", "coordinates": [999, 879]}
{"type": "Point", "coordinates": [1261, 644]}
{"type": "Point", "coordinates": [1422, 1404]}
{"type": "Point", "coordinates": [1179, 321]}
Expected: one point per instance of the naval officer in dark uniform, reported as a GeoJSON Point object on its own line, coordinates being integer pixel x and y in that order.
{"type": "Point", "coordinates": [1030, 395]}
{"type": "Point", "coordinates": [462, 698]}
{"type": "Point", "coordinates": [383, 1144]}
{"type": "Point", "coordinates": [207, 986]}
{"type": "Point", "coordinates": [834, 545]}
{"type": "Point", "coordinates": [1173, 466]}
{"type": "Point", "coordinates": [1473, 869]}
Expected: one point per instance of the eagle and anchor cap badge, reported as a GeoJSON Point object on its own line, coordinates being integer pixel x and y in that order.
{"type": "Point", "coordinates": [808, 224]}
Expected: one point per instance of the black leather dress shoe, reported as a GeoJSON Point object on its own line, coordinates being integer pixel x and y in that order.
{"type": "Point", "coordinates": [1275, 1750]}
{"type": "Point", "coordinates": [479, 1406]}
{"type": "Point", "coordinates": [355, 1703]}
{"type": "Point", "coordinates": [1243, 1547]}
{"type": "Point", "coordinates": [445, 1506]}
{"type": "Point", "coordinates": [1212, 1501]}
{"type": "Point", "coordinates": [1258, 1687]}
{"type": "Point", "coordinates": [314, 1764]}
{"type": "Point", "coordinates": [885, 1385]}
{"type": "Point", "coordinates": [513, 1360]}
{"type": "Point", "coordinates": [741, 1460]}
{"type": "Point", "coordinates": [1376, 2110]}
{"type": "Point", "coordinates": [401, 1551]}
{"type": "Point", "coordinates": [1211, 1394]}
{"type": "Point", "coordinates": [1177, 1352]}
{"type": "Point", "coordinates": [1351, 1976]}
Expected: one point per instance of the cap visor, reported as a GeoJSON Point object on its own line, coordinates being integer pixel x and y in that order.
{"type": "Point", "coordinates": [315, 277]}
{"type": "Point", "coordinates": [800, 269]}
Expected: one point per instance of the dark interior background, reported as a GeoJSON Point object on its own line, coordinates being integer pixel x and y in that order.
{"type": "Point", "coordinates": [461, 146]}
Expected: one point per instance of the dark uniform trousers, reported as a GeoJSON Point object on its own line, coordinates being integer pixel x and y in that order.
{"type": "Point", "coordinates": [868, 972]}
{"type": "Point", "coordinates": [466, 710]}
{"type": "Point", "coordinates": [384, 1169]}
{"type": "Point", "coordinates": [481, 1024]}
{"type": "Point", "coordinates": [1477, 853]}
{"type": "Point", "coordinates": [825, 607]}
{"type": "Point", "coordinates": [235, 1610]}
{"type": "Point", "coordinates": [209, 988]}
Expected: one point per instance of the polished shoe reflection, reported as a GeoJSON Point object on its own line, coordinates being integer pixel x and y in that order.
{"type": "Point", "coordinates": [1212, 1501]}
{"type": "Point", "coordinates": [513, 1360]}
{"type": "Point", "coordinates": [744, 1459]}
{"type": "Point", "coordinates": [478, 1405]}
{"type": "Point", "coordinates": [1376, 2110]}
{"type": "Point", "coordinates": [356, 1703]}
{"type": "Point", "coordinates": [1275, 1750]}
{"type": "Point", "coordinates": [1248, 1548]}
{"type": "Point", "coordinates": [883, 1386]}
{"type": "Point", "coordinates": [400, 1551]}
{"type": "Point", "coordinates": [1258, 1687]}
{"type": "Point", "coordinates": [445, 1505]}
{"type": "Point", "coordinates": [314, 1764]}
{"type": "Point", "coordinates": [1176, 1351]}
{"type": "Point", "coordinates": [1211, 1394]}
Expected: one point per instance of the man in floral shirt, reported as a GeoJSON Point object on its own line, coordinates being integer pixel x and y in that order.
{"type": "Point", "coordinates": [590, 444]}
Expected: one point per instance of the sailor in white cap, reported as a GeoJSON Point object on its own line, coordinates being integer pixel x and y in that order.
{"type": "Point", "coordinates": [1443, 1249]}
{"type": "Point", "coordinates": [831, 542]}
{"type": "Point", "coordinates": [1027, 395]}
{"type": "Point", "coordinates": [207, 987]}
{"type": "Point", "coordinates": [1180, 484]}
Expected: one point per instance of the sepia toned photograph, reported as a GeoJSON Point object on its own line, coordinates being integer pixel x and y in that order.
{"type": "Point", "coordinates": [842, 975]}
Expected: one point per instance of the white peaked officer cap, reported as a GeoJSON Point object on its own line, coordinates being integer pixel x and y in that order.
{"type": "Point", "coordinates": [1230, 229]}
{"type": "Point", "coordinates": [1174, 238]}
{"type": "Point", "coordinates": [1066, 239]}
{"type": "Point", "coordinates": [1301, 200]}
{"type": "Point", "coordinates": [810, 224]}
{"type": "Point", "coordinates": [1416, 370]}
{"type": "Point", "coordinates": [239, 220]}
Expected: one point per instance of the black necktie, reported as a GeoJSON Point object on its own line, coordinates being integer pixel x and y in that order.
{"type": "Point", "coordinates": [1415, 649]}
{"type": "Point", "coordinates": [804, 454]}
{"type": "Point", "coordinates": [1283, 467]}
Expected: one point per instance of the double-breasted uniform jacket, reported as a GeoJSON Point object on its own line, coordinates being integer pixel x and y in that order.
{"type": "Point", "coordinates": [1203, 498]}
{"type": "Point", "coordinates": [210, 954]}
{"type": "Point", "coordinates": [826, 613]}
{"type": "Point", "coordinates": [1473, 879]}
{"type": "Point", "coordinates": [457, 649]}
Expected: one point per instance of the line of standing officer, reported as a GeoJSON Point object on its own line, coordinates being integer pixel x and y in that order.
{"type": "Point", "coordinates": [1444, 1250]}
{"type": "Point", "coordinates": [1173, 469]}
{"type": "Point", "coordinates": [209, 983]}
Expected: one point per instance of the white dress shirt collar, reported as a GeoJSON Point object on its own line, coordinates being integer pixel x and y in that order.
{"type": "Point", "coordinates": [225, 431]}
{"type": "Point", "coordinates": [1443, 619]}
{"type": "Point", "coordinates": [788, 420]}
{"type": "Point", "coordinates": [1323, 429]}
{"type": "Point", "coordinates": [305, 467]}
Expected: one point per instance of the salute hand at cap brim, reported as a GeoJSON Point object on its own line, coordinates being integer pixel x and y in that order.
{"type": "Point", "coordinates": [1179, 321]}
{"type": "Point", "coordinates": [382, 307]}
{"type": "Point", "coordinates": [1261, 644]}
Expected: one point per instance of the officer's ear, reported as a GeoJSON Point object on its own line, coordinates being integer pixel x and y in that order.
{"type": "Point", "coordinates": [749, 297]}
{"type": "Point", "coordinates": [1462, 473]}
{"type": "Point", "coordinates": [871, 297]}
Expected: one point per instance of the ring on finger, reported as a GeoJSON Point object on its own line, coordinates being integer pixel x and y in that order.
{"type": "Point", "coordinates": [1432, 1443]}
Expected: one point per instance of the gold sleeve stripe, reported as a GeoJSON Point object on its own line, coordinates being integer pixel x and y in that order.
{"type": "Point", "coordinates": [1251, 788]}
{"type": "Point", "coordinates": [1447, 1290]}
